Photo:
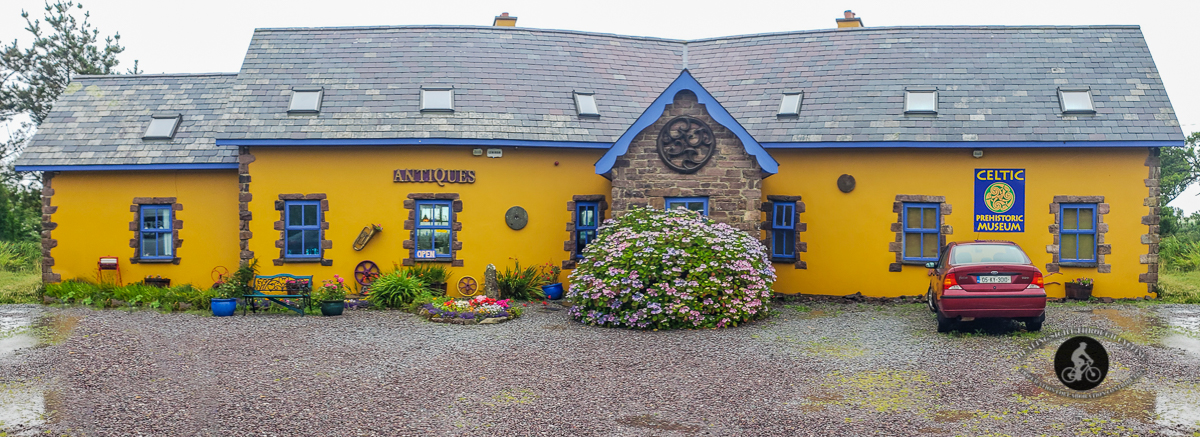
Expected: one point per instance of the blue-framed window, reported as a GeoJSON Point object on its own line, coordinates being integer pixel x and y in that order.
{"type": "Point", "coordinates": [698, 204]}
{"type": "Point", "coordinates": [157, 239]}
{"type": "Point", "coordinates": [587, 219]}
{"type": "Point", "coordinates": [433, 232]}
{"type": "Point", "coordinates": [1077, 232]}
{"type": "Point", "coordinates": [922, 231]}
{"type": "Point", "coordinates": [302, 227]}
{"type": "Point", "coordinates": [783, 230]}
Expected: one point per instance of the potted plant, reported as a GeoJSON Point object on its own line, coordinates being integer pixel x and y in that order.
{"type": "Point", "coordinates": [433, 275]}
{"type": "Point", "coordinates": [225, 303]}
{"type": "Point", "coordinates": [228, 292]}
{"type": "Point", "coordinates": [332, 296]}
{"type": "Point", "coordinates": [552, 288]}
{"type": "Point", "coordinates": [1079, 289]}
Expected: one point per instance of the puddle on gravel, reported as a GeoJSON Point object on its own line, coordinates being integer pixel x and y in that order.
{"type": "Point", "coordinates": [649, 421]}
{"type": "Point", "coordinates": [24, 329]}
{"type": "Point", "coordinates": [21, 407]}
{"type": "Point", "coordinates": [1179, 406]}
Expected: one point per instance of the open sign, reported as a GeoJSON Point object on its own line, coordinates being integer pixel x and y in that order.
{"type": "Point", "coordinates": [426, 254]}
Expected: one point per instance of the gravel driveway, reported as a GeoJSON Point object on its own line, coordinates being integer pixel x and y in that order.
{"type": "Point", "coordinates": [811, 369]}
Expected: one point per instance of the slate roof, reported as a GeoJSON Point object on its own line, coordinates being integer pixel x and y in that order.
{"type": "Point", "coordinates": [100, 120]}
{"type": "Point", "coordinates": [995, 84]}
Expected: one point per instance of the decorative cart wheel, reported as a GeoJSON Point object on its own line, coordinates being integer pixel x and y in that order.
{"type": "Point", "coordinates": [365, 273]}
{"type": "Point", "coordinates": [467, 286]}
{"type": "Point", "coordinates": [218, 273]}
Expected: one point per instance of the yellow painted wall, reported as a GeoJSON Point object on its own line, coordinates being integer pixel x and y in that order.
{"type": "Point", "coordinates": [848, 234]}
{"type": "Point", "coordinates": [93, 221]}
{"type": "Point", "coordinates": [358, 184]}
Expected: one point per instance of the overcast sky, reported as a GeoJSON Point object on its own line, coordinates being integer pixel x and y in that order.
{"type": "Point", "coordinates": [212, 35]}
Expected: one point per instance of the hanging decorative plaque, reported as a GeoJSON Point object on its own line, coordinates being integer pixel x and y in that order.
{"type": "Point", "coordinates": [686, 144]}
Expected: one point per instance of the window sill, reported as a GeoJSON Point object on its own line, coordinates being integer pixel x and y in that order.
{"type": "Point", "coordinates": [909, 262]}
{"type": "Point", "coordinates": [1091, 264]}
{"type": "Point", "coordinates": [922, 113]}
{"type": "Point", "coordinates": [302, 260]}
{"type": "Point", "coordinates": [776, 259]}
{"type": "Point", "coordinates": [437, 260]}
{"type": "Point", "coordinates": [154, 260]}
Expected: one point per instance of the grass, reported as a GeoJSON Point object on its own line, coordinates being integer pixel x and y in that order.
{"type": "Point", "coordinates": [1179, 287]}
{"type": "Point", "coordinates": [19, 287]}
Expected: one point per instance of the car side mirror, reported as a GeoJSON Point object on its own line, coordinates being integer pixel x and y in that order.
{"type": "Point", "coordinates": [931, 265]}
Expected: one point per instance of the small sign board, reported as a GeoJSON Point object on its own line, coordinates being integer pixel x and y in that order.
{"type": "Point", "coordinates": [426, 254]}
{"type": "Point", "coordinates": [495, 153]}
{"type": "Point", "coordinates": [999, 200]}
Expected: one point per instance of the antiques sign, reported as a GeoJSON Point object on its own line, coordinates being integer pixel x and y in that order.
{"type": "Point", "coordinates": [999, 200]}
{"type": "Point", "coordinates": [442, 177]}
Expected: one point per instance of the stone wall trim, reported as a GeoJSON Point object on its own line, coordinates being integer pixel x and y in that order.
{"type": "Point", "coordinates": [411, 225]}
{"type": "Point", "coordinates": [281, 243]}
{"type": "Point", "coordinates": [569, 245]}
{"type": "Point", "coordinates": [1102, 248]}
{"type": "Point", "coordinates": [897, 245]}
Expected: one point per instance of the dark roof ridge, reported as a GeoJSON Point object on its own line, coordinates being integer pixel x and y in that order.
{"type": "Point", "coordinates": [466, 27]}
{"type": "Point", "coordinates": [139, 76]}
{"type": "Point", "coordinates": [939, 27]}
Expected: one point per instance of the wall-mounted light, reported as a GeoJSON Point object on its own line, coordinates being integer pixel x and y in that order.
{"type": "Point", "coordinates": [477, 152]}
{"type": "Point", "coordinates": [978, 153]}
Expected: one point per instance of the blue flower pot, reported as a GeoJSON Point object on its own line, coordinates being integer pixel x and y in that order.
{"type": "Point", "coordinates": [553, 291]}
{"type": "Point", "coordinates": [224, 307]}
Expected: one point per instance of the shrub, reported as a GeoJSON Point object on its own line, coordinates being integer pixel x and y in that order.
{"type": "Point", "coordinates": [20, 256]}
{"type": "Point", "coordinates": [671, 269]}
{"type": "Point", "coordinates": [430, 273]}
{"type": "Point", "coordinates": [396, 288]}
{"type": "Point", "coordinates": [521, 283]}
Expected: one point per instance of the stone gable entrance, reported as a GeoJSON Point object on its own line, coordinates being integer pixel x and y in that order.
{"type": "Point", "coordinates": [688, 154]}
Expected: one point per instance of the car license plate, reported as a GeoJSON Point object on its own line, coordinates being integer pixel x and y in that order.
{"type": "Point", "coordinates": [995, 279]}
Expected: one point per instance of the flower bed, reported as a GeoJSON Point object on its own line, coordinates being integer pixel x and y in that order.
{"type": "Point", "coordinates": [477, 310]}
{"type": "Point", "coordinates": [653, 269]}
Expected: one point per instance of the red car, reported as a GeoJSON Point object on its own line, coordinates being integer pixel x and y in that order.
{"type": "Point", "coordinates": [985, 279]}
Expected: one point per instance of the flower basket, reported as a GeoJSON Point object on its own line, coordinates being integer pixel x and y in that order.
{"type": "Point", "coordinates": [1078, 291]}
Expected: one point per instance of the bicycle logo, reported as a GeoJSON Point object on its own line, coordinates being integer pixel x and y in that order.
{"type": "Point", "coordinates": [1081, 363]}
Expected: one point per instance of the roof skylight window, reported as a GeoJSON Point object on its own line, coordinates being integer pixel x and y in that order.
{"type": "Point", "coordinates": [920, 101]}
{"type": "Point", "coordinates": [790, 105]}
{"type": "Point", "coordinates": [437, 99]}
{"type": "Point", "coordinates": [1076, 101]}
{"type": "Point", "coordinates": [162, 127]}
{"type": "Point", "coordinates": [585, 104]}
{"type": "Point", "coordinates": [306, 100]}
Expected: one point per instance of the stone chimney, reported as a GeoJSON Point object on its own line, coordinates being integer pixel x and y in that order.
{"type": "Point", "coordinates": [849, 21]}
{"type": "Point", "coordinates": [503, 20]}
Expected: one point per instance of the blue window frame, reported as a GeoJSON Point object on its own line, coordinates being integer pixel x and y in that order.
{"type": "Point", "coordinates": [157, 239]}
{"type": "Point", "coordinates": [1077, 232]}
{"type": "Point", "coordinates": [783, 230]}
{"type": "Point", "coordinates": [587, 219]}
{"type": "Point", "coordinates": [922, 231]}
{"type": "Point", "coordinates": [302, 227]}
{"type": "Point", "coordinates": [433, 232]}
{"type": "Point", "coordinates": [698, 204]}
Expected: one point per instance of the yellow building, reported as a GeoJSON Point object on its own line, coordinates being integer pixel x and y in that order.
{"type": "Point", "coordinates": [854, 154]}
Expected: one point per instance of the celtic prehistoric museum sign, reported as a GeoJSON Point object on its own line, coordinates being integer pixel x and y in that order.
{"type": "Point", "coordinates": [686, 144]}
{"type": "Point", "coordinates": [999, 200]}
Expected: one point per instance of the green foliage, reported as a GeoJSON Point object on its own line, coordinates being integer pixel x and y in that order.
{"type": "Point", "coordinates": [239, 282]}
{"type": "Point", "coordinates": [1180, 168]}
{"type": "Point", "coordinates": [396, 289]}
{"type": "Point", "coordinates": [422, 299]}
{"type": "Point", "coordinates": [85, 292]}
{"type": "Point", "coordinates": [20, 211]}
{"type": "Point", "coordinates": [430, 273]}
{"type": "Point", "coordinates": [20, 287]}
{"type": "Point", "coordinates": [1176, 287]}
{"type": "Point", "coordinates": [20, 256]}
{"type": "Point", "coordinates": [521, 283]}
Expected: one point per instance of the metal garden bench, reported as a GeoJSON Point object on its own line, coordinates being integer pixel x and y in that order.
{"type": "Point", "coordinates": [275, 288]}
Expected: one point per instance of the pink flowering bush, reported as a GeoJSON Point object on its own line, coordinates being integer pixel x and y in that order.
{"type": "Point", "coordinates": [652, 269]}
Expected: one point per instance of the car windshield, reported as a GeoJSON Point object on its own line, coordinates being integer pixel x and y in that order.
{"type": "Point", "coordinates": [988, 253]}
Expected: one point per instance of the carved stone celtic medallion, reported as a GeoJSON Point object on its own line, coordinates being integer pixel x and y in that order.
{"type": "Point", "coordinates": [686, 144]}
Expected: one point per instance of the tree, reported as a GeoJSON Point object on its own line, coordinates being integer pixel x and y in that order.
{"type": "Point", "coordinates": [1180, 168]}
{"type": "Point", "coordinates": [31, 79]}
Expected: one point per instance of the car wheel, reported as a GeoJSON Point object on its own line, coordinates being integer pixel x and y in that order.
{"type": "Point", "coordinates": [1034, 324]}
{"type": "Point", "coordinates": [945, 324]}
{"type": "Point", "coordinates": [929, 300]}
